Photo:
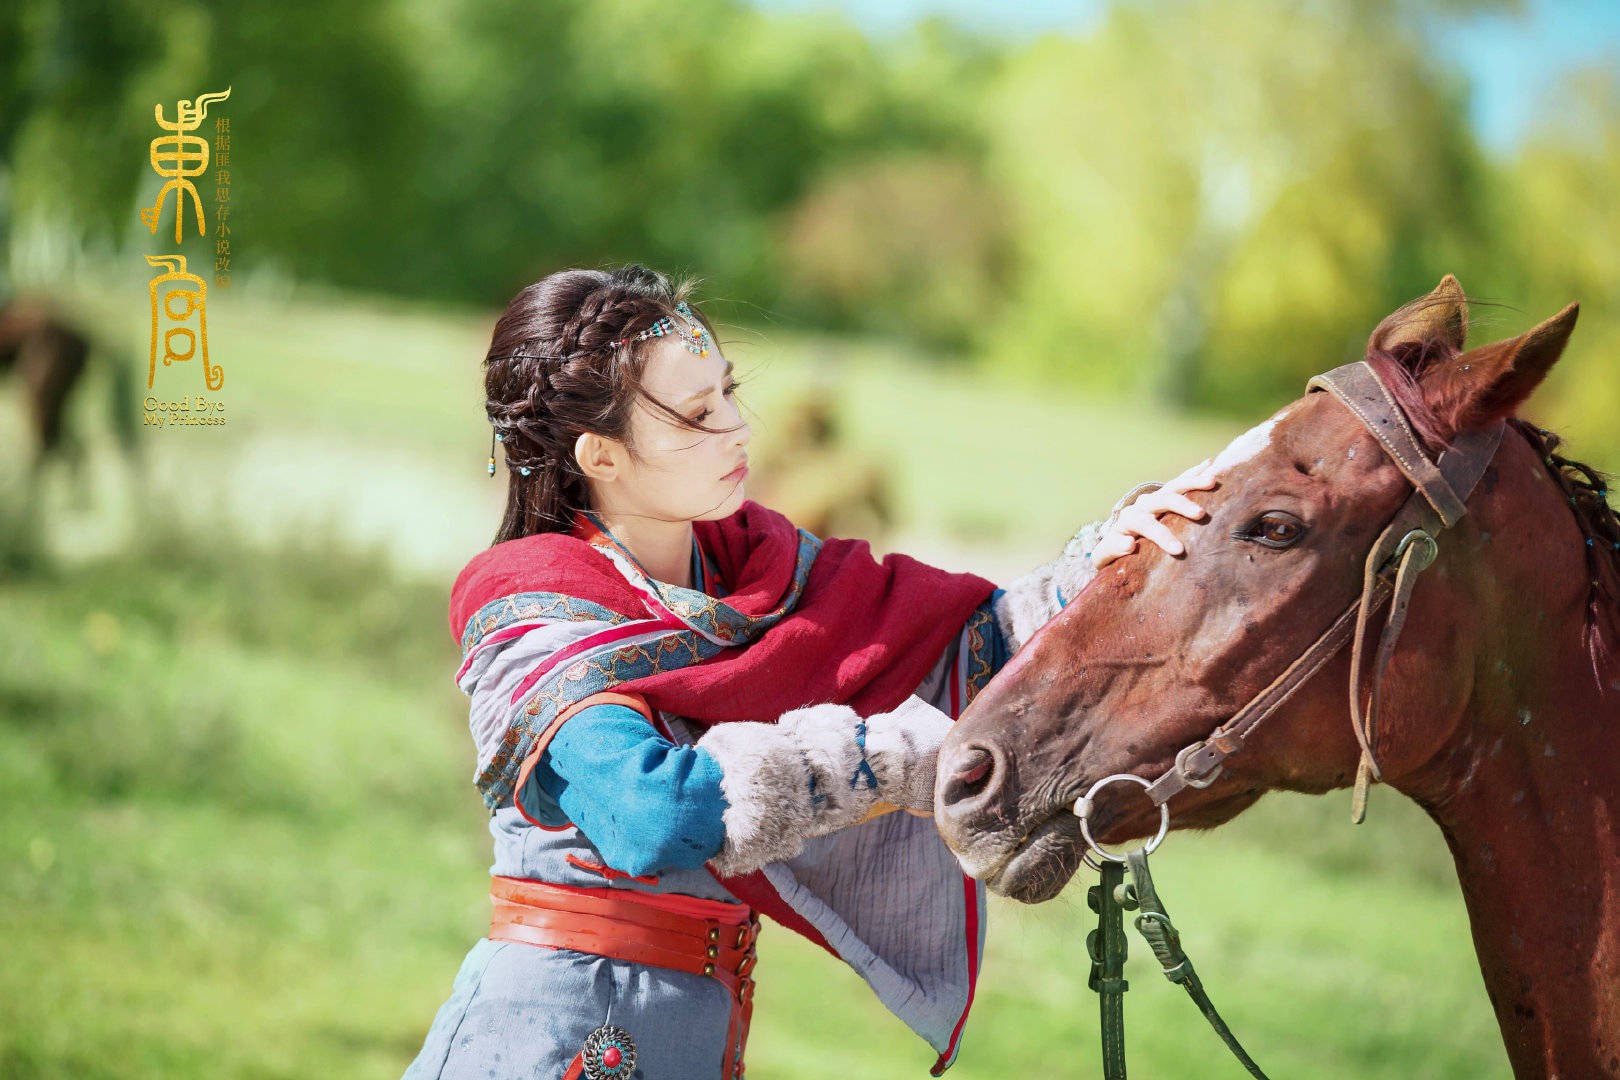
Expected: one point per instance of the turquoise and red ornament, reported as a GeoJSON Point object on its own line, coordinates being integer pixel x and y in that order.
{"type": "Point", "coordinates": [609, 1054]}
{"type": "Point", "coordinates": [692, 335]}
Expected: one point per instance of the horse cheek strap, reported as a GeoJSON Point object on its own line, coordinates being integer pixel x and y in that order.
{"type": "Point", "coordinates": [1404, 549]}
{"type": "Point", "coordinates": [1407, 545]}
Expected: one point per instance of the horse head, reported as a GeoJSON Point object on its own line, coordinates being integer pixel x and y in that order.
{"type": "Point", "coordinates": [1158, 652]}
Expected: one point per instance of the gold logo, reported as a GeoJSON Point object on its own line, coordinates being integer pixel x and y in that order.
{"type": "Point", "coordinates": [179, 156]}
{"type": "Point", "coordinates": [180, 342]}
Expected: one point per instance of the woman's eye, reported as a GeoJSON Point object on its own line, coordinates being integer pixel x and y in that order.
{"type": "Point", "coordinates": [702, 416]}
{"type": "Point", "coordinates": [1276, 529]}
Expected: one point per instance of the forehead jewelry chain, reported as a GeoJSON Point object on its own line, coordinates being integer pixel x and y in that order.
{"type": "Point", "coordinates": [690, 331]}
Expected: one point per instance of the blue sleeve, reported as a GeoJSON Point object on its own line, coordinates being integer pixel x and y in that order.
{"type": "Point", "coordinates": [647, 804]}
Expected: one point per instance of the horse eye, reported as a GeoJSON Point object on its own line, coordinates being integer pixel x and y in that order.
{"type": "Point", "coordinates": [1276, 529]}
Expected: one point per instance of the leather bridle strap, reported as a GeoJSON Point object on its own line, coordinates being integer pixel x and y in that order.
{"type": "Point", "coordinates": [1403, 549]}
{"type": "Point", "coordinates": [1359, 389]}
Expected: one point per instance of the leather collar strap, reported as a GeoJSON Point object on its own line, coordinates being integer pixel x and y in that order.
{"type": "Point", "coordinates": [1405, 546]}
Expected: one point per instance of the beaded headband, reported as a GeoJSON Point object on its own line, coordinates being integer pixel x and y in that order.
{"type": "Point", "coordinates": [692, 334]}
{"type": "Point", "coordinates": [690, 331]}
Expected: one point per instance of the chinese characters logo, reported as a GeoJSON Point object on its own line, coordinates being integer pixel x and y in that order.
{"type": "Point", "coordinates": [179, 297]}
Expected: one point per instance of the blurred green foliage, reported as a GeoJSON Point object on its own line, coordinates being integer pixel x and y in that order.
{"type": "Point", "coordinates": [1206, 200]}
{"type": "Point", "coordinates": [1260, 191]}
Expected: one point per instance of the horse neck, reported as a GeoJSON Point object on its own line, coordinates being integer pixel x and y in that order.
{"type": "Point", "coordinates": [1527, 790]}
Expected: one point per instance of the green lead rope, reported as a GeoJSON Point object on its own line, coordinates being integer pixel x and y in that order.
{"type": "Point", "coordinates": [1107, 946]}
{"type": "Point", "coordinates": [1110, 898]}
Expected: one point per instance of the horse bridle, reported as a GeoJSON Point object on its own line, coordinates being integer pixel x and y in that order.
{"type": "Point", "coordinates": [1405, 547]}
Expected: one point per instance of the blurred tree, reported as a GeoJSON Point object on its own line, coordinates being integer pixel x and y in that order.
{"type": "Point", "coordinates": [910, 246]}
{"type": "Point", "coordinates": [908, 242]}
{"type": "Point", "coordinates": [1231, 195]}
{"type": "Point", "coordinates": [68, 96]}
{"type": "Point", "coordinates": [455, 150]}
{"type": "Point", "coordinates": [326, 121]}
{"type": "Point", "coordinates": [1558, 222]}
{"type": "Point", "coordinates": [594, 133]}
{"type": "Point", "coordinates": [322, 123]}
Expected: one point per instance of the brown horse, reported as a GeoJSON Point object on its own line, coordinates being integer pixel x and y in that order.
{"type": "Point", "coordinates": [1500, 702]}
{"type": "Point", "coordinates": [49, 356]}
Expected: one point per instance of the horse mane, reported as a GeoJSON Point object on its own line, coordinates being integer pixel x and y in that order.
{"type": "Point", "coordinates": [1586, 489]}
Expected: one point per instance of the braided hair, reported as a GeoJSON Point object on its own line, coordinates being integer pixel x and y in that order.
{"type": "Point", "coordinates": [558, 366]}
{"type": "Point", "coordinates": [1587, 491]}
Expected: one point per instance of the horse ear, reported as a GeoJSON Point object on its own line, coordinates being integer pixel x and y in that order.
{"type": "Point", "coordinates": [1441, 315]}
{"type": "Point", "coordinates": [1488, 383]}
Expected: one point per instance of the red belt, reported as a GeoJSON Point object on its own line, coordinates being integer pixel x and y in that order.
{"type": "Point", "coordinates": [624, 928]}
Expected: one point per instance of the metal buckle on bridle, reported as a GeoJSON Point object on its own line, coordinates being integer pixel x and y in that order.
{"type": "Point", "coordinates": [1202, 780]}
{"type": "Point", "coordinates": [1082, 810]}
{"type": "Point", "coordinates": [1430, 550]}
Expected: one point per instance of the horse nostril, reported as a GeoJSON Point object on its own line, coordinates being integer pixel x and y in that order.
{"type": "Point", "coordinates": [972, 778]}
{"type": "Point", "coordinates": [979, 770]}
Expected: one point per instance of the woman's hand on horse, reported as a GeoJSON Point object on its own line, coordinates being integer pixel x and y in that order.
{"type": "Point", "coordinates": [1140, 520]}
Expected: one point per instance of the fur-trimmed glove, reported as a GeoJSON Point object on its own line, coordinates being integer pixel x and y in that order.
{"type": "Point", "coordinates": [817, 770]}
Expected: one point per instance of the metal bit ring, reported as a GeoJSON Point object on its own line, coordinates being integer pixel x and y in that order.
{"type": "Point", "coordinates": [1082, 810]}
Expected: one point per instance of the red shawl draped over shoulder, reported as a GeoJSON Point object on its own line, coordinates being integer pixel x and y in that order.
{"type": "Point", "coordinates": [862, 633]}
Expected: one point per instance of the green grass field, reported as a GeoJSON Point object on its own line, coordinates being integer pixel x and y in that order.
{"type": "Point", "coordinates": [239, 837]}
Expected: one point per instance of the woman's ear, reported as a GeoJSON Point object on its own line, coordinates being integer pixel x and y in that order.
{"type": "Point", "coordinates": [599, 457]}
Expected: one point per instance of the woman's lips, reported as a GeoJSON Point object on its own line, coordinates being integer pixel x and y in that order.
{"type": "Point", "coordinates": [737, 475]}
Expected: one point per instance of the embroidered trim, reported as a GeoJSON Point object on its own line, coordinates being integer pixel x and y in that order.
{"type": "Point", "coordinates": [528, 607]}
{"type": "Point", "coordinates": [980, 633]}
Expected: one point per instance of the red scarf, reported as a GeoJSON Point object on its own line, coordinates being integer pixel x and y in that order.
{"type": "Point", "coordinates": [864, 633]}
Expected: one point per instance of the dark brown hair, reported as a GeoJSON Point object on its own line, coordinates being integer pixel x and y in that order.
{"type": "Point", "coordinates": [554, 372]}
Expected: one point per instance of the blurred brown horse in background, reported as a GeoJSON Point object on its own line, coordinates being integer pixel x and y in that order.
{"type": "Point", "coordinates": [1501, 703]}
{"type": "Point", "coordinates": [49, 356]}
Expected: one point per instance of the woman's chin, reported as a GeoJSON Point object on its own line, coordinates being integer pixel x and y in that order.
{"type": "Point", "coordinates": [731, 505]}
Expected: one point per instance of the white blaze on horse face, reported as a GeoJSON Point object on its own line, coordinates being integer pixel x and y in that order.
{"type": "Point", "coordinates": [1247, 445]}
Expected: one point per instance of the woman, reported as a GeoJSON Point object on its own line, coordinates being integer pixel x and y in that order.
{"type": "Point", "coordinates": [682, 706]}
